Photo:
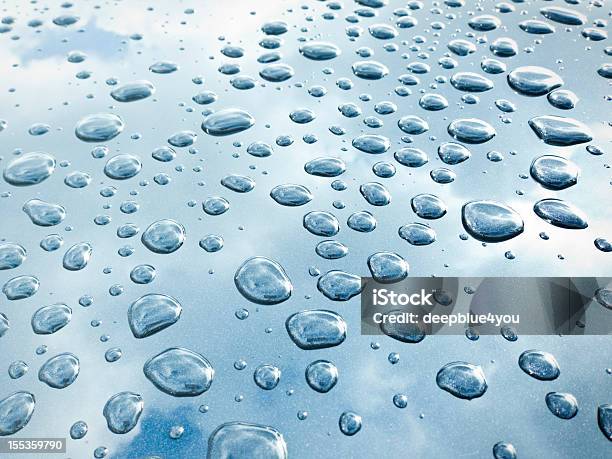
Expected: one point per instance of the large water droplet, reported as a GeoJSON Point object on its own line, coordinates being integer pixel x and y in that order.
{"type": "Point", "coordinates": [227, 121]}
{"type": "Point", "coordinates": [316, 329]}
{"type": "Point", "coordinates": [491, 221]}
{"type": "Point", "coordinates": [29, 169]}
{"type": "Point", "coordinates": [240, 439]}
{"type": "Point", "coordinates": [152, 313]}
{"type": "Point", "coordinates": [263, 281]}
{"type": "Point", "coordinates": [560, 131]}
{"type": "Point", "coordinates": [50, 319]}
{"type": "Point", "coordinates": [339, 285]}
{"type": "Point", "coordinates": [539, 364]}
{"type": "Point", "coordinates": [533, 81]}
{"type": "Point", "coordinates": [77, 256]}
{"type": "Point", "coordinates": [560, 213]}
{"type": "Point", "coordinates": [164, 236]}
{"type": "Point", "coordinates": [100, 127]}
{"type": "Point", "coordinates": [462, 379]}
{"type": "Point", "coordinates": [562, 405]}
{"type": "Point", "coordinates": [122, 412]}
{"type": "Point", "coordinates": [179, 372]}
{"type": "Point", "coordinates": [321, 375]}
{"type": "Point", "coordinates": [554, 172]}
{"type": "Point", "coordinates": [60, 371]}
{"type": "Point", "coordinates": [133, 91]}
{"type": "Point", "coordinates": [471, 130]}
{"type": "Point", "coordinates": [15, 412]}
{"type": "Point", "coordinates": [43, 213]}
{"type": "Point", "coordinates": [11, 255]}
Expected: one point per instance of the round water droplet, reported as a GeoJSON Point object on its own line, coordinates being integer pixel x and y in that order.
{"type": "Point", "coordinates": [320, 51]}
{"type": "Point", "coordinates": [263, 281]}
{"type": "Point", "coordinates": [267, 377]}
{"type": "Point", "coordinates": [349, 423]}
{"type": "Point", "coordinates": [504, 450]}
{"type": "Point", "coordinates": [370, 70]}
{"type": "Point", "coordinates": [321, 375]}
{"type": "Point", "coordinates": [78, 430]}
{"type": "Point", "coordinates": [164, 236]}
{"type": "Point", "coordinates": [60, 371]}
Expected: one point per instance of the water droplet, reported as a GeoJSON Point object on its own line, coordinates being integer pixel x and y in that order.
{"type": "Point", "coordinates": [50, 319]}
{"type": "Point", "coordinates": [78, 430]}
{"type": "Point", "coordinates": [339, 285]}
{"type": "Point", "coordinates": [387, 267]}
{"type": "Point", "coordinates": [43, 213]}
{"type": "Point", "coordinates": [321, 376]}
{"type": "Point", "coordinates": [554, 172]}
{"type": "Point", "coordinates": [122, 412]}
{"type": "Point", "coordinates": [153, 313]}
{"type": "Point", "coordinates": [291, 195]}
{"type": "Point", "coordinates": [11, 255]}
{"type": "Point", "coordinates": [533, 81]}
{"type": "Point", "coordinates": [349, 422]}
{"type": "Point", "coordinates": [180, 372]}
{"type": "Point", "coordinates": [470, 82]}
{"type": "Point", "coordinates": [267, 377]}
{"type": "Point", "coordinates": [320, 51]}
{"type": "Point", "coordinates": [370, 70]}
{"type": "Point", "coordinates": [15, 412]}
{"type": "Point", "coordinates": [263, 281]}
{"type": "Point", "coordinates": [539, 364]}
{"type": "Point", "coordinates": [560, 131]}
{"type": "Point", "coordinates": [164, 236]}
{"type": "Point", "coordinates": [133, 91]}
{"type": "Point", "coordinates": [316, 329]}
{"type": "Point", "coordinates": [462, 379]}
{"type": "Point", "coordinates": [100, 127]}
{"type": "Point", "coordinates": [29, 169]}
{"type": "Point", "coordinates": [491, 221]}
{"type": "Point", "coordinates": [227, 121]}
{"type": "Point", "coordinates": [560, 213]}
{"type": "Point", "coordinates": [60, 371]}
{"type": "Point", "coordinates": [20, 287]}
{"type": "Point", "coordinates": [562, 405]}
{"type": "Point", "coordinates": [77, 256]}
{"type": "Point", "coordinates": [233, 439]}
{"type": "Point", "coordinates": [471, 130]}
